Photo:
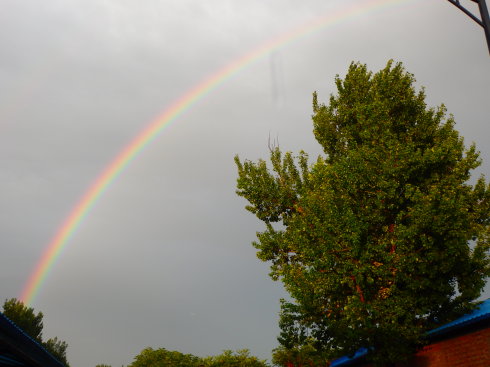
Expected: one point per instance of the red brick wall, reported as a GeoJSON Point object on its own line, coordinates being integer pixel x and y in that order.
{"type": "Point", "coordinates": [472, 349]}
{"type": "Point", "coordinates": [468, 350]}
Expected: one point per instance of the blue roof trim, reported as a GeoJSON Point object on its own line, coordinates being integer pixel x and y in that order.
{"type": "Point", "coordinates": [345, 361]}
{"type": "Point", "coordinates": [480, 314]}
{"type": "Point", "coordinates": [5, 360]}
{"type": "Point", "coordinates": [13, 324]}
{"type": "Point", "coordinates": [6, 321]}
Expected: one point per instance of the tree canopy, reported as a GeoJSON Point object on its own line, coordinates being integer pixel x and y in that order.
{"type": "Point", "coordinates": [162, 357]}
{"type": "Point", "coordinates": [383, 236]}
{"type": "Point", "coordinates": [228, 358]}
{"type": "Point", "coordinates": [24, 317]}
{"type": "Point", "coordinates": [32, 324]}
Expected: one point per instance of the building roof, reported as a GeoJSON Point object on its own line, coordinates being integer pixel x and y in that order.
{"type": "Point", "coordinates": [478, 315]}
{"type": "Point", "coordinates": [347, 361]}
{"type": "Point", "coordinates": [17, 349]}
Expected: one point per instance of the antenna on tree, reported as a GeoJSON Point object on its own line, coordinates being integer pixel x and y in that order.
{"type": "Point", "coordinates": [484, 22]}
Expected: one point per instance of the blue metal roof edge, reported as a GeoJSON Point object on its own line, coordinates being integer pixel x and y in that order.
{"type": "Point", "coordinates": [345, 361]}
{"type": "Point", "coordinates": [4, 360]}
{"type": "Point", "coordinates": [24, 334]}
{"type": "Point", "coordinates": [20, 330]}
{"type": "Point", "coordinates": [481, 313]}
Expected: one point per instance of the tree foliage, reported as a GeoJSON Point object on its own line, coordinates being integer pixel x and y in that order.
{"type": "Point", "coordinates": [32, 324]}
{"type": "Point", "coordinates": [57, 348]}
{"type": "Point", "coordinates": [383, 236]}
{"type": "Point", "coordinates": [24, 317]}
{"type": "Point", "coordinates": [299, 356]}
{"type": "Point", "coordinates": [228, 358]}
{"type": "Point", "coordinates": [162, 357]}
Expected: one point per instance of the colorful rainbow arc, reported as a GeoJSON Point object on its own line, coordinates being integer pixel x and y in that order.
{"type": "Point", "coordinates": [145, 137]}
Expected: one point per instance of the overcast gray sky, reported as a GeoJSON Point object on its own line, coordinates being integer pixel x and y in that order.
{"type": "Point", "coordinates": [164, 258]}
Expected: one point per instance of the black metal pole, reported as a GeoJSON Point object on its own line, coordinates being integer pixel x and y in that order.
{"type": "Point", "coordinates": [485, 20]}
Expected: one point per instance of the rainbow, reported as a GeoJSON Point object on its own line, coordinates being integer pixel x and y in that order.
{"type": "Point", "coordinates": [152, 131]}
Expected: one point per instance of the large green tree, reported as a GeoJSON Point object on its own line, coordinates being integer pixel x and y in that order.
{"type": "Point", "coordinates": [24, 317]}
{"type": "Point", "coordinates": [32, 324]}
{"type": "Point", "coordinates": [228, 358]}
{"type": "Point", "coordinates": [383, 236]}
{"type": "Point", "coordinates": [162, 357]}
